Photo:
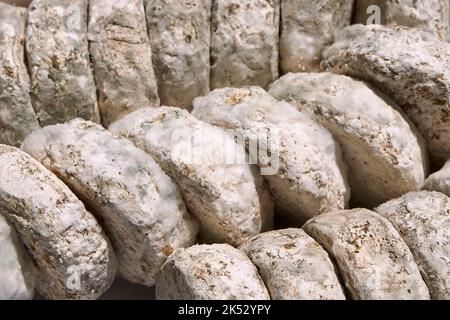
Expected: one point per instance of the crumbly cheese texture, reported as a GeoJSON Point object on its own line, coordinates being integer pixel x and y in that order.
{"type": "Point", "coordinates": [294, 266]}
{"type": "Point", "coordinates": [307, 27]}
{"type": "Point", "coordinates": [373, 260]}
{"type": "Point", "coordinates": [73, 256]}
{"type": "Point", "coordinates": [411, 66]}
{"type": "Point", "coordinates": [230, 200]}
{"type": "Point", "coordinates": [141, 208]}
{"type": "Point", "coordinates": [440, 181]}
{"type": "Point", "coordinates": [311, 176]}
{"type": "Point", "coordinates": [210, 272]}
{"type": "Point", "coordinates": [62, 82]}
{"type": "Point", "coordinates": [244, 42]}
{"type": "Point", "coordinates": [180, 40]}
{"type": "Point", "coordinates": [17, 270]}
{"type": "Point", "coordinates": [122, 57]}
{"type": "Point", "coordinates": [385, 153]}
{"type": "Point", "coordinates": [17, 117]}
{"type": "Point", "coordinates": [429, 15]}
{"type": "Point", "coordinates": [423, 220]}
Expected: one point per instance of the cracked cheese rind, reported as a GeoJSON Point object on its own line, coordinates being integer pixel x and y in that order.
{"type": "Point", "coordinates": [440, 181]}
{"type": "Point", "coordinates": [229, 199]}
{"type": "Point", "coordinates": [62, 82]}
{"type": "Point", "coordinates": [409, 65]}
{"type": "Point", "coordinates": [385, 154]}
{"type": "Point", "coordinates": [311, 178]}
{"type": "Point", "coordinates": [244, 42]}
{"type": "Point", "coordinates": [307, 27]}
{"type": "Point", "coordinates": [180, 40]}
{"type": "Point", "coordinates": [373, 261]}
{"type": "Point", "coordinates": [122, 57]}
{"type": "Point", "coordinates": [17, 117]}
{"type": "Point", "coordinates": [293, 266]}
{"type": "Point", "coordinates": [423, 220]}
{"type": "Point", "coordinates": [428, 15]}
{"type": "Point", "coordinates": [141, 208]}
{"type": "Point", "coordinates": [73, 256]}
{"type": "Point", "coordinates": [17, 270]}
{"type": "Point", "coordinates": [209, 272]}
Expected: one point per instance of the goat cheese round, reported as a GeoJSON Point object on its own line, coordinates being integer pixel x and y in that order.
{"type": "Point", "coordinates": [293, 266]}
{"type": "Point", "coordinates": [423, 220]}
{"type": "Point", "coordinates": [307, 27]}
{"type": "Point", "coordinates": [409, 65]}
{"type": "Point", "coordinates": [429, 15]}
{"type": "Point", "coordinates": [73, 256]}
{"type": "Point", "coordinates": [385, 153]}
{"type": "Point", "coordinates": [244, 42]}
{"type": "Point", "coordinates": [122, 57]}
{"type": "Point", "coordinates": [228, 197]}
{"type": "Point", "coordinates": [17, 270]}
{"type": "Point", "coordinates": [307, 175]}
{"type": "Point", "coordinates": [180, 39]}
{"type": "Point", "coordinates": [140, 207]}
{"type": "Point", "coordinates": [62, 82]}
{"type": "Point", "coordinates": [440, 181]}
{"type": "Point", "coordinates": [17, 117]}
{"type": "Point", "coordinates": [373, 260]}
{"type": "Point", "coordinates": [209, 272]}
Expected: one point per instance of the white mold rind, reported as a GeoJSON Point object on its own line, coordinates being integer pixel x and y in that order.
{"type": "Point", "coordinates": [429, 15]}
{"type": "Point", "coordinates": [293, 266]}
{"type": "Point", "coordinates": [311, 176]}
{"type": "Point", "coordinates": [122, 57]}
{"type": "Point", "coordinates": [73, 256]}
{"type": "Point", "coordinates": [17, 270]}
{"type": "Point", "coordinates": [409, 65]}
{"type": "Point", "coordinates": [385, 154]}
{"type": "Point", "coordinates": [140, 207]}
{"type": "Point", "coordinates": [373, 261]}
{"type": "Point", "coordinates": [307, 27]}
{"type": "Point", "coordinates": [230, 200]}
{"type": "Point", "coordinates": [62, 82]}
{"type": "Point", "coordinates": [423, 220]}
{"type": "Point", "coordinates": [439, 181]}
{"type": "Point", "coordinates": [214, 272]}
{"type": "Point", "coordinates": [244, 42]}
{"type": "Point", "coordinates": [180, 39]}
{"type": "Point", "coordinates": [17, 117]}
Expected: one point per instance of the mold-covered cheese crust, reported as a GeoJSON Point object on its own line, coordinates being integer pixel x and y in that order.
{"type": "Point", "coordinates": [73, 256]}
{"type": "Point", "coordinates": [409, 65]}
{"type": "Point", "coordinates": [17, 270]}
{"type": "Point", "coordinates": [140, 206]}
{"type": "Point", "coordinates": [17, 117]}
{"type": "Point", "coordinates": [62, 82]}
{"type": "Point", "coordinates": [440, 181]}
{"type": "Point", "coordinates": [180, 39]}
{"type": "Point", "coordinates": [229, 198]}
{"type": "Point", "coordinates": [307, 27]}
{"type": "Point", "coordinates": [244, 42]}
{"type": "Point", "coordinates": [373, 260]}
{"type": "Point", "coordinates": [294, 266]}
{"type": "Point", "coordinates": [385, 153]}
{"type": "Point", "coordinates": [210, 272]}
{"type": "Point", "coordinates": [310, 177]}
{"type": "Point", "coordinates": [122, 57]}
{"type": "Point", "coordinates": [423, 220]}
{"type": "Point", "coordinates": [428, 15]}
